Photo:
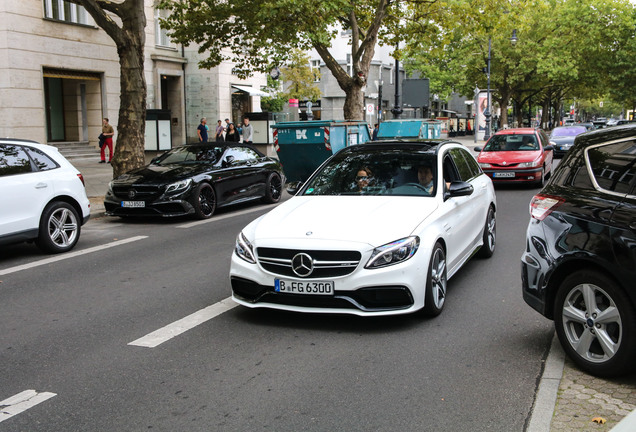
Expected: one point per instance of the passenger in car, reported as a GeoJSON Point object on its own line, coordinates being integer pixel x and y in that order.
{"type": "Point", "coordinates": [364, 178]}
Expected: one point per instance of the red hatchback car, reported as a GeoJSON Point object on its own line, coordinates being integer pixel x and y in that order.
{"type": "Point", "coordinates": [517, 155]}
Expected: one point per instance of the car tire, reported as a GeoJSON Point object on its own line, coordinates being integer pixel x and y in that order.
{"type": "Point", "coordinates": [436, 282]}
{"type": "Point", "coordinates": [59, 228]}
{"type": "Point", "coordinates": [596, 324]}
{"type": "Point", "coordinates": [489, 236]}
{"type": "Point", "coordinates": [273, 189]}
{"type": "Point", "coordinates": [541, 182]}
{"type": "Point", "coordinates": [204, 201]}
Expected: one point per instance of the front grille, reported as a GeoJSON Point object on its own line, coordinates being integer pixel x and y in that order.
{"type": "Point", "coordinates": [325, 263]}
{"type": "Point", "coordinates": [513, 165]}
{"type": "Point", "coordinates": [140, 192]}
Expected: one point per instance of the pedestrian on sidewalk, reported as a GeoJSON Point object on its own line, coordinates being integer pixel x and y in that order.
{"type": "Point", "coordinates": [202, 130]}
{"type": "Point", "coordinates": [248, 132]}
{"type": "Point", "coordinates": [107, 133]}
{"type": "Point", "coordinates": [219, 131]}
{"type": "Point", "coordinates": [232, 135]}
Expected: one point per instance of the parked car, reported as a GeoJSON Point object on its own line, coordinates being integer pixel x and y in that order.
{"type": "Point", "coordinates": [562, 138]}
{"type": "Point", "coordinates": [378, 229]}
{"type": "Point", "coordinates": [42, 196]}
{"type": "Point", "coordinates": [579, 267]}
{"type": "Point", "coordinates": [196, 180]}
{"type": "Point", "coordinates": [599, 124]}
{"type": "Point", "coordinates": [587, 125]}
{"type": "Point", "coordinates": [517, 156]}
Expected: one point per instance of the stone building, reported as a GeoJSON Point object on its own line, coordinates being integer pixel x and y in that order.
{"type": "Point", "coordinates": [59, 76]}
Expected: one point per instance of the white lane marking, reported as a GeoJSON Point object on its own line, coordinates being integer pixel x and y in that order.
{"type": "Point", "coordinates": [68, 255]}
{"type": "Point", "coordinates": [219, 218]}
{"type": "Point", "coordinates": [21, 402]}
{"type": "Point", "coordinates": [166, 333]}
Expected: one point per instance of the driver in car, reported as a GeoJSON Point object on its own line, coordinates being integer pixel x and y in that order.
{"type": "Point", "coordinates": [425, 177]}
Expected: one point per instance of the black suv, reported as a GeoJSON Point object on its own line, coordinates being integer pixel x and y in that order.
{"type": "Point", "coordinates": [579, 267]}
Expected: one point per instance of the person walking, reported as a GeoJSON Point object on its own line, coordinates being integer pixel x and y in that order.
{"type": "Point", "coordinates": [248, 132]}
{"type": "Point", "coordinates": [232, 135]}
{"type": "Point", "coordinates": [107, 132]}
{"type": "Point", "coordinates": [202, 131]}
{"type": "Point", "coordinates": [374, 137]}
{"type": "Point", "coordinates": [219, 131]}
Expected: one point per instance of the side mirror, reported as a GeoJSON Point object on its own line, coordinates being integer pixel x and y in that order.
{"type": "Point", "coordinates": [548, 148]}
{"type": "Point", "coordinates": [477, 149]}
{"type": "Point", "coordinates": [228, 160]}
{"type": "Point", "coordinates": [457, 189]}
{"type": "Point", "coordinates": [293, 187]}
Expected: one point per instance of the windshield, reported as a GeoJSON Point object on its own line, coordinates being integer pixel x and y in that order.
{"type": "Point", "coordinates": [191, 154]}
{"type": "Point", "coordinates": [376, 172]}
{"type": "Point", "coordinates": [568, 131]}
{"type": "Point", "coordinates": [512, 143]}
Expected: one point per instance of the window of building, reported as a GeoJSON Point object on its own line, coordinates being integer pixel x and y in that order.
{"type": "Point", "coordinates": [62, 10]}
{"type": "Point", "coordinates": [161, 34]}
{"type": "Point", "coordinates": [315, 70]}
{"type": "Point", "coordinates": [349, 65]}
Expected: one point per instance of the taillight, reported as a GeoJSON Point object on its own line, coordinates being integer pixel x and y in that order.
{"type": "Point", "coordinates": [81, 177]}
{"type": "Point", "coordinates": [542, 205]}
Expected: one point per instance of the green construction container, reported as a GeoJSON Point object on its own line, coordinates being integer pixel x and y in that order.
{"type": "Point", "coordinates": [410, 128]}
{"type": "Point", "coordinates": [303, 145]}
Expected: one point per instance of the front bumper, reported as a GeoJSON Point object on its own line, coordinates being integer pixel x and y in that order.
{"type": "Point", "coordinates": [514, 175]}
{"type": "Point", "coordinates": [162, 208]}
{"type": "Point", "coordinates": [393, 290]}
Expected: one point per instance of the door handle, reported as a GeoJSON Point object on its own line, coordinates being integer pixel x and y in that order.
{"type": "Point", "coordinates": [41, 185]}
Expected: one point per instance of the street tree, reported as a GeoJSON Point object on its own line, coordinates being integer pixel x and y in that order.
{"type": "Point", "coordinates": [125, 23]}
{"type": "Point", "coordinates": [299, 77]}
{"type": "Point", "coordinates": [258, 35]}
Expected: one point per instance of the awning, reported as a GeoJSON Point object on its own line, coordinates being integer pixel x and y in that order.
{"type": "Point", "coordinates": [70, 74]}
{"type": "Point", "coordinates": [250, 90]}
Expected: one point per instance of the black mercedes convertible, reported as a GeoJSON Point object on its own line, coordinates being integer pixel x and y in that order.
{"type": "Point", "coordinates": [196, 180]}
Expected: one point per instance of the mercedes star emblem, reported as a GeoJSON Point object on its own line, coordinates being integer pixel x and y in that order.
{"type": "Point", "coordinates": [302, 264]}
{"type": "Point", "coordinates": [131, 193]}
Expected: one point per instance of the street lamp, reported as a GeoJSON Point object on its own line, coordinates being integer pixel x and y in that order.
{"type": "Point", "coordinates": [487, 112]}
{"type": "Point", "coordinates": [397, 109]}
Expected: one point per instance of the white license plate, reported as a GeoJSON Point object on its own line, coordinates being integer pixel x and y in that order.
{"type": "Point", "coordinates": [135, 204]}
{"type": "Point", "coordinates": [304, 287]}
{"type": "Point", "coordinates": [504, 175]}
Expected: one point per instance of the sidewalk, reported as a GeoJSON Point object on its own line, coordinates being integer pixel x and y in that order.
{"type": "Point", "coordinates": [567, 400]}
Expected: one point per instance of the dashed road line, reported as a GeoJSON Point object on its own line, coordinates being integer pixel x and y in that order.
{"type": "Point", "coordinates": [21, 402]}
{"type": "Point", "coordinates": [68, 255]}
{"type": "Point", "coordinates": [166, 333]}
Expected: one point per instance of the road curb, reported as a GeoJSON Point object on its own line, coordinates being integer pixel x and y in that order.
{"type": "Point", "coordinates": [545, 401]}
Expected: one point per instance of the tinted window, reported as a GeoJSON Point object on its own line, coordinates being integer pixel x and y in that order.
{"type": "Point", "coordinates": [13, 160]}
{"type": "Point", "coordinates": [613, 166]}
{"type": "Point", "coordinates": [383, 172]}
{"type": "Point", "coordinates": [568, 131]}
{"type": "Point", "coordinates": [42, 161]}
{"type": "Point", "coordinates": [191, 154]}
{"type": "Point", "coordinates": [465, 170]}
{"type": "Point", "coordinates": [242, 153]}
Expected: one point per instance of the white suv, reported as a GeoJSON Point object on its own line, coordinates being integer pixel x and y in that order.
{"type": "Point", "coordinates": [42, 196]}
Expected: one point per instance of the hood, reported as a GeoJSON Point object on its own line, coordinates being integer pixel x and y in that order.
{"type": "Point", "coordinates": [563, 139]}
{"type": "Point", "coordinates": [160, 174]}
{"type": "Point", "coordinates": [508, 157]}
{"type": "Point", "coordinates": [371, 220]}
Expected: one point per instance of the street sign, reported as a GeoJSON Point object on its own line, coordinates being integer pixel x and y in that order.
{"type": "Point", "coordinates": [370, 108]}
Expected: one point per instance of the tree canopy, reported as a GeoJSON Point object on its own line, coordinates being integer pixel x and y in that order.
{"type": "Point", "coordinates": [258, 35]}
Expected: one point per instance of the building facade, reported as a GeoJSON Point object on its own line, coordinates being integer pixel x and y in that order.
{"type": "Point", "coordinates": [59, 76]}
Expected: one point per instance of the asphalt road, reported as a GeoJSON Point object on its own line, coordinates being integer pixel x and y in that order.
{"type": "Point", "coordinates": [67, 328]}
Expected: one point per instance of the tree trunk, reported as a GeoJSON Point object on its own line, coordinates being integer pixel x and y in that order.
{"type": "Point", "coordinates": [354, 103]}
{"type": "Point", "coordinates": [129, 149]}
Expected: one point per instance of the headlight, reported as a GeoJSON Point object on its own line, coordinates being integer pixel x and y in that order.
{"type": "Point", "coordinates": [178, 186]}
{"type": "Point", "coordinates": [485, 165]}
{"type": "Point", "coordinates": [393, 253]}
{"type": "Point", "coordinates": [244, 249]}
{"type": "Point", "coordinates": [530, 164]}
